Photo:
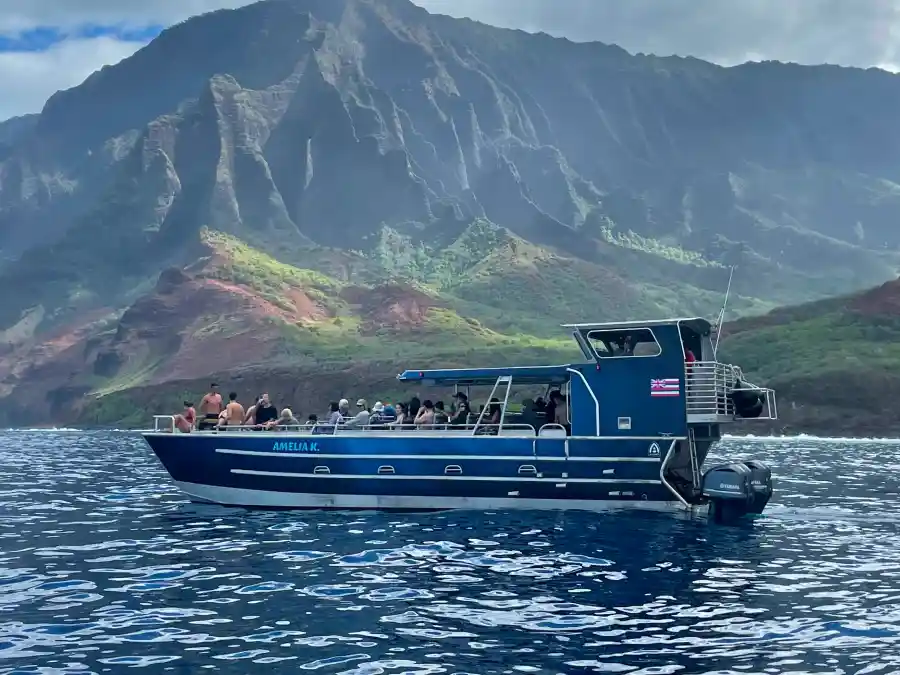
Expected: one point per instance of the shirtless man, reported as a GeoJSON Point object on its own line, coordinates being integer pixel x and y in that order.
{"type": "Point", "coordinates": [234, 411]}
{"type": "Point", "coordinates": [250, 416]}
{"type": "Point", "coordinates": [210, 407]}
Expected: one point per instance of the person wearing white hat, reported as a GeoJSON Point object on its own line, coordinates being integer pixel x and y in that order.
{"type": "Point", "coordinates": [377, 416]}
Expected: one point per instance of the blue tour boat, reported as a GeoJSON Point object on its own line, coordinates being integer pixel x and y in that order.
{"type": "Point", "coordinates": [642, 417]}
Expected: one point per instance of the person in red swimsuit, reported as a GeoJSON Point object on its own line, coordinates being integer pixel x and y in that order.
{"type": "Point", "coordinates": [185, 421]}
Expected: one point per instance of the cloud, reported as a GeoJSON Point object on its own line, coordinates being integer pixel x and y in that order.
{"type": "Point", "coordinates": [28, 78]}
{"type": "Point", "coordinates": [21, 15]}
{"type": "Point", "coordinates": [848, 32]}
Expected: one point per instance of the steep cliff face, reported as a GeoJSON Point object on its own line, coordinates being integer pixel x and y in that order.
{"type": "Point", "coordinates": [302, 120]}
{"type": "Point", "coordinates": [375, 133]}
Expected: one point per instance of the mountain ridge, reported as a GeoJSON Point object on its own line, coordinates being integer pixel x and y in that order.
{"type": "Point", "coordinates": [515, 179]}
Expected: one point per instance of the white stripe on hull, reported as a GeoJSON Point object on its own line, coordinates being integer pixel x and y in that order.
{"type": "Point", "coordinates": [449, 458]}
{"type": "Point", "coordinates": [230, 496]}
{"type": "Point", "coordinates": [488, 479]}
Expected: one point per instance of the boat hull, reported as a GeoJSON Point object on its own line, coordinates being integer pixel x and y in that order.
{"type": "Point", "coordinates": [398, 471]}
{"type": "Point", "coordinates": [265, 499]}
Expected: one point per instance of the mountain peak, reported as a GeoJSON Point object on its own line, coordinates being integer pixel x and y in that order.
{"type": "Point", "coordinates": [514, 180]}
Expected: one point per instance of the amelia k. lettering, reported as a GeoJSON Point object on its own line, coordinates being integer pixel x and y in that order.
{"type": "Point", "coordinates": [295, 446]}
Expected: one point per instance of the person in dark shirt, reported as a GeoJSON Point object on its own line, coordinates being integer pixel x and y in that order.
{"type": "Point", "coordinates": [265, 411]}
{"type": "Point", "coordinates": [461, 417]}
{"type": "Point", "coordinates": [415, 406]}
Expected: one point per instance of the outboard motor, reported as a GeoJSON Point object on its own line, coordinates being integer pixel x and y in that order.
{"type": "Point", "coordinates": [748, 403]}
{"type": "Point", "coordinates": [761, 481]}
{"type": "Point", "coordinates": [729, 490]}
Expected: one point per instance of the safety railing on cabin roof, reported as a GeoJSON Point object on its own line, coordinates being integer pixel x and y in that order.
{"type": "Point", "coordinates": [710, 386]}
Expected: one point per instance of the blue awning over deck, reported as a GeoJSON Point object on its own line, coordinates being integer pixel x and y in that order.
{"type": "Point", "coordinates": [488, 376]}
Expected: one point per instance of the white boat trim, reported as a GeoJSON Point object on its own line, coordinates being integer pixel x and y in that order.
{"type": "Point", "coordinates": [662, 475]}
{"type": "Point", "coordinates": [263, 498]}
{"type": "Point", "coordinates": [449, 458]}
{"type": "Point", "coordinates": [287, 435]}
{"type": "Point", "coordinates": [489, 479]}
{"type": "Point", "coordinates": [593, 396]}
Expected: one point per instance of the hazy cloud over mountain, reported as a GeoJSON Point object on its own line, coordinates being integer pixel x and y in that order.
{"type": "Point", "coordinates": [848, 32]}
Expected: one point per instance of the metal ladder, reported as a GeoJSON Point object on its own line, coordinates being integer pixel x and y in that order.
{"type": "Point", "coordinates": [695, 465]}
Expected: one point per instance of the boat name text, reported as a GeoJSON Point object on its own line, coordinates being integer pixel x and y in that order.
{"type": "Point", "coordinates": [295, 446]}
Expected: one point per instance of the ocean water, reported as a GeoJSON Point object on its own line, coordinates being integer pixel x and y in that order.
{"type": "Point", "coordinates": [105, 567]}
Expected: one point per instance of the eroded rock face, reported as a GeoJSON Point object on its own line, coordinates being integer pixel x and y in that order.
{"type": "Point", "coordinates": [292, 123]}
{"type": "Point", "coordinates": [314, 121]}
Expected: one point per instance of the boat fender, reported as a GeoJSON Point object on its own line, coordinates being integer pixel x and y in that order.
{"type": "Point", "coordinates": [747, 403]}
{"type": "Point", "coordinates": [761, 482]}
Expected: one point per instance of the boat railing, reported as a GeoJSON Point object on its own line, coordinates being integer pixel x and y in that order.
{"type": "Point", "coordinates": [709, 388]}
{"type": "Point", "coordinates": [166, 423]}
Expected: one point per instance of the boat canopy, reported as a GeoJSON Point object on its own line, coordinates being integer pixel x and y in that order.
{"type": "Point", "coordinates": [487, 376]}
{"type": "Point", "coordinates": [700, 325]}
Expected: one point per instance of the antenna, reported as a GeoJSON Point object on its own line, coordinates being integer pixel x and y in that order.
{"type": "Point", "coordinates": [721, 317]}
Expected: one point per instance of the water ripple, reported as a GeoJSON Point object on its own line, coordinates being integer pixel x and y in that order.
{"type": "Point", "coordinates": [104, 566]}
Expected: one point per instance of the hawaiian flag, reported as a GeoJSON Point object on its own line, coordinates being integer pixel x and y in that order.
{"type": "Point", "coordinates": [667, 387]}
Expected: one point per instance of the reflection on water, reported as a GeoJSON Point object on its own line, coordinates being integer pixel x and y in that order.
{"type": "Point", "coordinates": [104, 565]}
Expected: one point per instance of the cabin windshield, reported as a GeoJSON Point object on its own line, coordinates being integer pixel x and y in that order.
{"type": "Point", "coordinates": [497, 401]}
{"type": "Point", "coordinates": [507, 405]}
{"type": "Point", "coordinates": [619, 343]}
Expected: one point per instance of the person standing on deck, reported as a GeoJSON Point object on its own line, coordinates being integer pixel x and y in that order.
{"type": "Point", "coordinates": [210, 408]}
{"type": "Point", "coordinates": [689, 360]}
{"type": "Point", "coordinates": [234, 411]}
{"type": "Point", "coordinates": [265, 411]}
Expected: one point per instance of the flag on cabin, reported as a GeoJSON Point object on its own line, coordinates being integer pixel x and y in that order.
{"type": "Point", "coordinates": [670, 386]}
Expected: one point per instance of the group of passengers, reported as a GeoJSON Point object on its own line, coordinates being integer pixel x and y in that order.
{"type": "Point", "coordinates": [215, 414]}
{"type": "Point", "coordinates": [263, 415]}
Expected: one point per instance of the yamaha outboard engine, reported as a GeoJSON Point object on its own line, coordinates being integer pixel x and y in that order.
{"type": "Point", "coordinates": [748, 403]}
{"type": "Point", "coordinates": [729, 490]}
{"type": "Point", "coordinates": [761, 481]}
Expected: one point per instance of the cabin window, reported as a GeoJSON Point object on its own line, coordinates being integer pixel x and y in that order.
{"type": "Point", "coordinates": [623, 343]}
{"type": "Point", "coordinates": [527, 470]}
{"type": "Point", "coordinates": [453, 470]}
{"type": "Point", "coordinates": [385, 470]}
{"type": "Point", "coordinates": [321, 469]}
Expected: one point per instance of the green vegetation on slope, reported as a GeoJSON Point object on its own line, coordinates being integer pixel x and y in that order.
{"type": "Point", "coordinates": [835, 364]}
{"type": "Point", "coordinates": [813, 346]}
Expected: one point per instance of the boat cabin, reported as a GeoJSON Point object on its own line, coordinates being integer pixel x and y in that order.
{"type": "Point", "coordinates": [639, 378]}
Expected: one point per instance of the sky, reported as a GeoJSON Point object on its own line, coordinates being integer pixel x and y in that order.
{"type": "Point", "coordinates": [47, 45]}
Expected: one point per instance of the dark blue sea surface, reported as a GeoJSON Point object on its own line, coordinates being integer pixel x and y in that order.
{"type": "Point", "coordinates": [104, 566]}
